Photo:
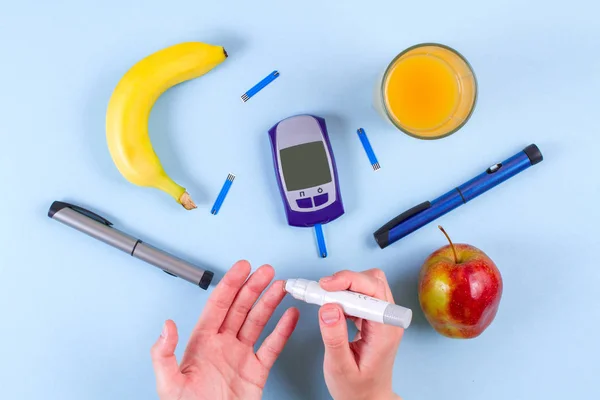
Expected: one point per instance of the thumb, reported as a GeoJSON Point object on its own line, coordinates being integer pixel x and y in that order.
{"type": "Point", "coordinates": [163, 358]}
{"type": "Point", "coordinates": [335, 337]}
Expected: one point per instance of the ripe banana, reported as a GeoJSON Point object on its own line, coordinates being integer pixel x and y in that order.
{"type": "Point", "coordinates": [130, 105]}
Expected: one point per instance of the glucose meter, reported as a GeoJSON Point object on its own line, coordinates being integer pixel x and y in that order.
{"type": "Point", "coordinates": [306, 173]}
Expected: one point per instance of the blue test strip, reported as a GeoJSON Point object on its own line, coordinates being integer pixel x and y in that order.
{"type": "Point", "coordinates": [320, 240]}
{"type": "Point", "coordinates": [368, 149]}
{"type": "Point", "coordinates": [260, 86]}
{"type": "Point", "coordinates": [222, 194]}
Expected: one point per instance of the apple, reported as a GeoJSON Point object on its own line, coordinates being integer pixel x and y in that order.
{"type": "Point", "coordinates": [459, 290]}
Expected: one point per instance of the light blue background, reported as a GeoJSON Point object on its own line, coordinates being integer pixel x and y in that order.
{"type": "Point", "coordinates": [78, 318]}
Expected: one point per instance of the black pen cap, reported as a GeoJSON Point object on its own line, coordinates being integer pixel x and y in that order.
{"type": "Point", "coordinates": [534, 154]}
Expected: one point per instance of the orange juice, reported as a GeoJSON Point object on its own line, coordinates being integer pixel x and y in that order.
{"type": "Point", "coordinates": [428, 91]}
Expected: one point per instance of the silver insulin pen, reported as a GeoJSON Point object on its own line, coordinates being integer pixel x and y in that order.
{"type": "Point", "coordinates": [353, 304]}
{"type": "Point", "coordinates": [99, 228]}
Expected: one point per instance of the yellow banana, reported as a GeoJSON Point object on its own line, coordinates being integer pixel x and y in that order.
{"type": "Point", "coordinates": [130, 105]}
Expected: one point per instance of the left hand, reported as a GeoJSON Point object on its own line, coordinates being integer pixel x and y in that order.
{"type": "Point", "coordinates": [219, 361]}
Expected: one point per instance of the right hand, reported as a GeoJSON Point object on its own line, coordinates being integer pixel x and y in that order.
{"type": "Point", "coordinates": [361, 369]}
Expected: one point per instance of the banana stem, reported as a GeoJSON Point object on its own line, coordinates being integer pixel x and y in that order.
{"type": "Point", "coordinates": [187, 202]}
{"type": "Point", "coordinates": [178, 192]}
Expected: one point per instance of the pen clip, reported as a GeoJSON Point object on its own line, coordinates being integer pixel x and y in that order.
{"type": "Point", "coordinates": [402, 217]}
{"type": "Point", "coordinates": [59, 205]}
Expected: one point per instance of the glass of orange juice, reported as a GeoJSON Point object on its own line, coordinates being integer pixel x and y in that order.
{"type": "Point", "coordinates": [428, 91]}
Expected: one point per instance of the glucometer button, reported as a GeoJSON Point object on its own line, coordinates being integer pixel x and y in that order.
{"type": "Point", "coordinates": [321, 199]}
{"type": "Point", "coordinates": [304, 203]}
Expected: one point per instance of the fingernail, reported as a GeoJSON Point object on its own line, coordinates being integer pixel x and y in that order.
{"type": "Point", "coordinates": [326, 279]}
{"type": "Point", "coordinates": [163, 334]}
{"type": "Point", "coordinates": [330, 316]}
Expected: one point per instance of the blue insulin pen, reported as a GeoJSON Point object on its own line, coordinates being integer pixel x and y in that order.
{"type": "Point", "coordinates": [419, 216]}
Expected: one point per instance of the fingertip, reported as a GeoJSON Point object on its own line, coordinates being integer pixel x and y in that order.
{"type": "Point", "coordinates": [169, 337]}
{"type": "Point", "coordinates": [293, 312]}
{"type": "Point", "coordinates": [242, 266]}
{"type": "Point", "coordinates": [332, 283]}
{"type": "Point", "coordinates": [291, 315]}
{"type": "Point", "coordinates": [378, 273]}
{"type": "Point", "coordinates": [331, 314]}
{"type": "Point", "coordinates": [275, 293]}
{"type": "Point", "coordinates": [267, 271]}
{"type": "Point", "coordinates": [167, 340]}
{"type": "Point", "coordinates": [237, 274]}
{"type": "Point", "coordinates": [279, 285]}
{"type": "Point", "coordinates": [325, 280]}
{"type": "Point", "coordinates": [170, 327]}
{"type": "Point", "coordinates": [163, 358]}
{"type": "Point", "coordinates": [164, 334]}
{"type": "Point", "coordinates": [334, 333]}
{"type": "Point", "coordinates": [268, 268]}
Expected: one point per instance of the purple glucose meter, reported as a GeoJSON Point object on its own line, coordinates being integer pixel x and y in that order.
{"type": "Point", "coordinates": [305, 171]}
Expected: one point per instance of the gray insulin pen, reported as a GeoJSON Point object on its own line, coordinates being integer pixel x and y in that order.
{"type": "Point", "coordinates": [99, 228]}
{"type": "Point", "coordinates": [353, 304]}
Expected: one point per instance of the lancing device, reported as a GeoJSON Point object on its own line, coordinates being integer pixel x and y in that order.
{"type": "Point", "coordinates": [99, 228]}
{"type": "Point", "coordinates": [353, 304]}
{"type": "Point", "coordinates": [419, 216]}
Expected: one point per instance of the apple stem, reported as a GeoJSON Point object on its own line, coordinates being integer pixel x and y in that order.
{"type": "Point", "coordinates": [451, 244]}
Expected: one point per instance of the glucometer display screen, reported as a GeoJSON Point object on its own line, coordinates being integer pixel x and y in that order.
{"type": "Point", "coordinates": [305, 166]}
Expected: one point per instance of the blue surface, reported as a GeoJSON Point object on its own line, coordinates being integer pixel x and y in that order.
{"type": "Point", "coordinates": [78, 318]}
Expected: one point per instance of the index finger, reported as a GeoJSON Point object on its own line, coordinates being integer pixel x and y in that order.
{"type": "Point", "coordinates": [379, 274]}
{"type": "Point", "coordinates": [360, 282]}
{"type": "Point", "coordinates": [222, 297]}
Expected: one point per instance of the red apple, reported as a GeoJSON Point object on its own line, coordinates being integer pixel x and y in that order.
{"type": "Point", "coordinates": [459, 290]}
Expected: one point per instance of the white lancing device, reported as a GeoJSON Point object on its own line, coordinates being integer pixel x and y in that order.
{"type": "Point", "coordinates": [353, 304]}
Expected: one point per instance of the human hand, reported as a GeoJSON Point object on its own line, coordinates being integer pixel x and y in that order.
{"type": "Point", "coordinates": [219, 361]}
{"type": "Point", "coordinates": [361, 369]}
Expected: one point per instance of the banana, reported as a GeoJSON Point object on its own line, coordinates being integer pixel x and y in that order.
{"type": "Point", "coordinates": [130, 105]}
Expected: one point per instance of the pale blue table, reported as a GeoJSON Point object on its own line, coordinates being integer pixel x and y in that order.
{"type": "Point", "coordinates": [78, 318]}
